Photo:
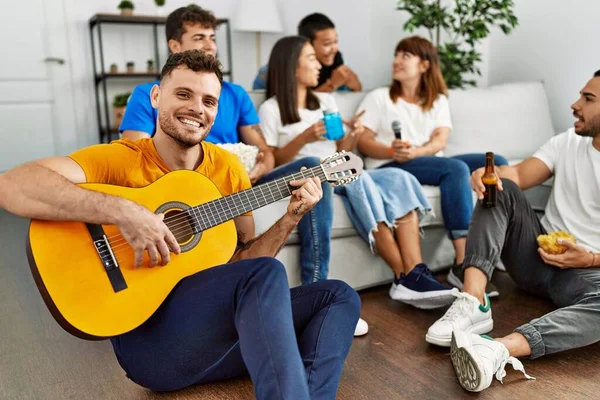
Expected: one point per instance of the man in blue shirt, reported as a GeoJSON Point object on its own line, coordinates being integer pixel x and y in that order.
{"type": "Point", "coordinates": [190, 28]}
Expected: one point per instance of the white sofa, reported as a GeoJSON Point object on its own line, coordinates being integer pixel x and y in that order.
{"type": "Point", "coordinates": [511, 119]}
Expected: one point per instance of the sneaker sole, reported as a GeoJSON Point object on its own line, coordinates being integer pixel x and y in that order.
{"type": "Point", "coordinates": [454, 281]}
{"type": "Point", "coordinates": [480, 328]}
{"type": "Point", "coordinates": [423, 300]}
{"type": "Point", "coordinates": [467, 372]}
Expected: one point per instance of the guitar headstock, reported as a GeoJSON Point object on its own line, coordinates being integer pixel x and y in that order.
{"type": "Point", "coordinates": [342, 168]}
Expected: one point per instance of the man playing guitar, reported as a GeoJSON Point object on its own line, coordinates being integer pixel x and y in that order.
{"type": "Point", "coordinates": [222, 322]}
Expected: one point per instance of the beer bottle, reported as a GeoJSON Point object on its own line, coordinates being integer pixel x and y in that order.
{"type": "Point", "coordinates": [490, 181]}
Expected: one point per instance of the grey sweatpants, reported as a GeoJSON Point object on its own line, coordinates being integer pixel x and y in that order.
{"type": "Point", "coordinates": [509, 231]}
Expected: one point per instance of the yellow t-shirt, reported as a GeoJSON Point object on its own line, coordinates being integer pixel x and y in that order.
{"type": "Point", "coordinates": [137, 164]}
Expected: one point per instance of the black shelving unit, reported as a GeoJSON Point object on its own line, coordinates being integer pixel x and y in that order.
{"type": "Point", "coordinates": [102, 77]}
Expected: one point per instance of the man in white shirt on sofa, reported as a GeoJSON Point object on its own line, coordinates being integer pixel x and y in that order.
{"type": "Point", "coordinates": [509, 231]}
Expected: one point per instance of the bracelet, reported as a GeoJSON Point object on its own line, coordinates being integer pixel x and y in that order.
{"type": "Point", "coordinates": [391, 151]}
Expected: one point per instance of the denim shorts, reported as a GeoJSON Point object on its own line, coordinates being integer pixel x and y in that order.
{"type": "Point", "coordinates": [382, 195]}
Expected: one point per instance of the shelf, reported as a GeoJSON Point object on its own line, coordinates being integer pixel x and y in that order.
{"type": "Point", "coordinates": [133, 19]}
{"type": "Point", "coordinates": [134, 75]}
{"type": "Point", "coordinates": [110, 134]}
{"type": "Point", "coordinates": [102, 77]}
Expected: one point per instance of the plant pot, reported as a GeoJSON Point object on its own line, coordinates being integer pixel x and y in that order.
{"type": "Point", "coordinates": [119, 112]}
{"type": "Point", "coordinates": [114, 69]}
{"type": "Point", "coordinates": [127, 12]}
{"type": "Point", "coordinates": [130, 69]}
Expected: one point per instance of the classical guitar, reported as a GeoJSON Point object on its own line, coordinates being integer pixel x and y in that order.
{"type": "Point", "coordinates": [86, 272]}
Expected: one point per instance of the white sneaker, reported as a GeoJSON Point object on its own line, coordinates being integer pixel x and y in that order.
{"type": "Point", "coordinates": [465, 314]}
{"type": "Point", "coordinates": [361, 327]}
{"type": "Point", "coordinates": [477, 358]}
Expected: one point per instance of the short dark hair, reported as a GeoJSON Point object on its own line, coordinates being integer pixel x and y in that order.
{"type": "Point", "coordinates": [174, 27]}
{"type": "Point", "coordinates": [281, 78]}
{"type": "Point", "coordinates": [311, 24]}
{"type": "Point", "coordinates": [597, 74]}
{"type": "Point", "coordinates": [196, 60]}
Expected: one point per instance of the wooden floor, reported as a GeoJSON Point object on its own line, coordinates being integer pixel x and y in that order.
{"type": "Point", "coordinates": [40, 361]}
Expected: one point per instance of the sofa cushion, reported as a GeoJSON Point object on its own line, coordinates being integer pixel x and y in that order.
{"type": "Point", "coordinates": [511, 119]}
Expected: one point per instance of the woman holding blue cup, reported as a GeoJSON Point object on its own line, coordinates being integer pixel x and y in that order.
{"type": "Point", "coordinates": [385, 207]}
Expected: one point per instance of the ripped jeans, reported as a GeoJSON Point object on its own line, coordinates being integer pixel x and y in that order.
{"type": "Point", "coordinates": [382, 195]}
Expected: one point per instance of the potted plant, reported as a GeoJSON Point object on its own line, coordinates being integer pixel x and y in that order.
{"type": "Point", "coordinates": [160, 4]}
{"type": "Point", "coordinates": [150, 64]}
{"type": "Point", "coordinates": [119, 105]}
{"type": "Point", "coordinates": [114, 68]}
{"type": "Point", "coordinates": [455, 28]}
{"type": "Point", "coordinates": [126, 7]}
{"type": "Point", "coordinates": [130, 67]}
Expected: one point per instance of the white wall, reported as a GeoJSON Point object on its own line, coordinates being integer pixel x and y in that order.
{"type": "Point", "coordinates": [557, 42]}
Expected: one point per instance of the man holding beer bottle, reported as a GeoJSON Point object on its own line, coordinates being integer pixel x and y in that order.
{"type": "Point", "coordinates": [508, 230]}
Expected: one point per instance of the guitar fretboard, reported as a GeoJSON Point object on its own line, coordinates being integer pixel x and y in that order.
{"type": "Point", "coordinates": [216, 212]}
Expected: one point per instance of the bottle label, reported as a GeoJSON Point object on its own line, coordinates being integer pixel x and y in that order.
{"type": "Point", "coordinates": [490, 195]}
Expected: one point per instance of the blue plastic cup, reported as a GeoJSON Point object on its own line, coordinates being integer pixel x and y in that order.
{"type": "Point", "coordinates": [333, 125]}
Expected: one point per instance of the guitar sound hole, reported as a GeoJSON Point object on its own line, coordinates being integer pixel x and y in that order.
{"type": "Point", "coordinates": [180, 224]}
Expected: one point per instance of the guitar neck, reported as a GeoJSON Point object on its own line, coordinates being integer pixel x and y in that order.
{"type": "Point", "coordinates": [215, 212]}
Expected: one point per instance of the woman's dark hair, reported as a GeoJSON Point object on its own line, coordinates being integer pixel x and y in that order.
{"type": "Point", "coordinates": [597, 74]}
{"type": "Point", "coordinates": [432, 82]}
{"type": "Point", "coordinates": [281, 78]}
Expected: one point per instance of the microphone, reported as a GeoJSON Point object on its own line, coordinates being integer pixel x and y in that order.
{"type": "Point", "coordinates": [397, 128]}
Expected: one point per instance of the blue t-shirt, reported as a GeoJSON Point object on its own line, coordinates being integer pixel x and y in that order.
{"type": "Point", "coordinates": [235, 109]}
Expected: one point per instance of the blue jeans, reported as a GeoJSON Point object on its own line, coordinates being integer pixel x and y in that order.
{"type": "Point", "coordinates": [242, 318]}
{"type": "Point", "coordinates": [452, 175]}
{"type": "Point", "coordinates": [382, 195]}
{"type": "Point", "coordinates": [314, 229]}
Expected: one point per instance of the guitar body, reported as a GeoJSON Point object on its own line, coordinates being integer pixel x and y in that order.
{"type": "Point", "coordinates": [74, 283]}
{"type": "Point", "coordinates": [86, 273]}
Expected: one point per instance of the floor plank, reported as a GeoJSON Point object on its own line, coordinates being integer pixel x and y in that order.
{"type": "Point", "coordinates": [38, 360]}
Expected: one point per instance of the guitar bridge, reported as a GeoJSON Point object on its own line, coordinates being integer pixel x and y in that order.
{"type": "Point", "coordinates": [106, 254]}
{"type": "Point", "coordinates": [109, 261]}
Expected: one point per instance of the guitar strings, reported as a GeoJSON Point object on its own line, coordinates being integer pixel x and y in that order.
{"type": "Point", "coordinates": [182, 225]}
{"type": "Point", "coordinates": [216, 217]}
{"type": "Point", "coordinates": [180, 218]}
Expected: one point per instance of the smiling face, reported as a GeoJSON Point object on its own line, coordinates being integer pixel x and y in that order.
{"type": "Point", "coordinates": [187, 105]}
{"type": "Point", "coordinates": [587, 109]}
{"type": "Point", "coordinates": [195, 37]}
{"type": "Point", "coordinates": [307, 72]}
{"type": "Point", "coordinates": [326, 46]}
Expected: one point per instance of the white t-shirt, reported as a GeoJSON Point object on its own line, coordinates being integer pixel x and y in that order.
{"type": "Point", "coordinates": [278, 135]}
{"type": "Point", "coordinates": [417, 125]}
{"type": "Point", "coordinates": [574, 204]}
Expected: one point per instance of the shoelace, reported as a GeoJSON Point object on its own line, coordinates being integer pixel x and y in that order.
{"type": "Point", "coordinates": [459, 307]}
{"type": "Point", "coordinates": [516, 364]}
{"type": "Point", "coordinates": [423, 272]}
